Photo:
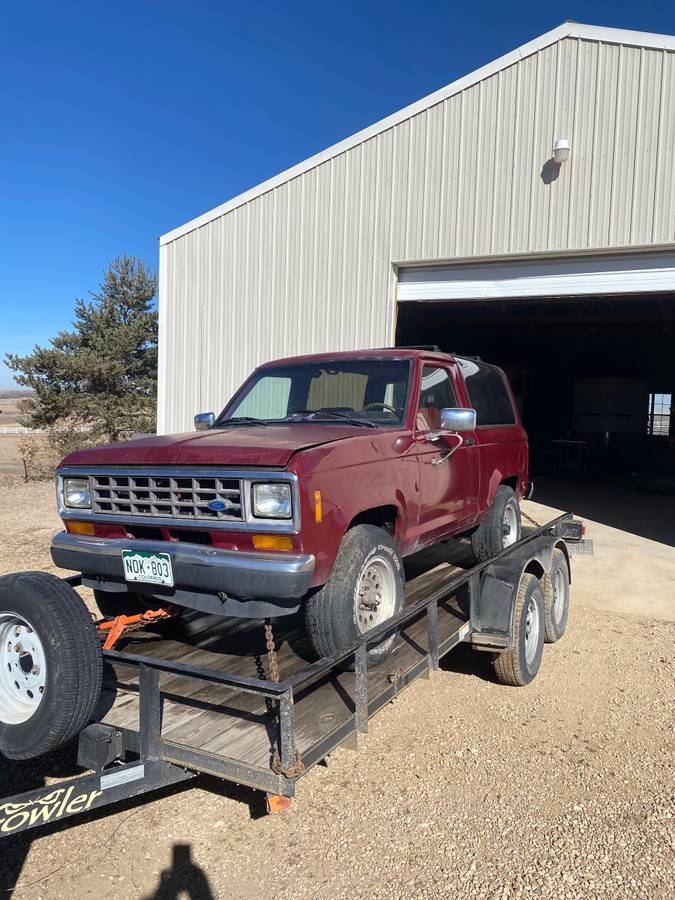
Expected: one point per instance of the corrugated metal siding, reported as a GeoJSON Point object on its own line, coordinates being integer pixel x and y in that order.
{"type": "Point", "coordinates": [306, 267]}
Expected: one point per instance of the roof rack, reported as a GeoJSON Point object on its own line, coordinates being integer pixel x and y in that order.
{"type": "Point", "coordinates": [434, 348]}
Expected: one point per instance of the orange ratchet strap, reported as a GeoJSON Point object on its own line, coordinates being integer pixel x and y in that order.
{"type": "Point", "coordinates": [113, 629]}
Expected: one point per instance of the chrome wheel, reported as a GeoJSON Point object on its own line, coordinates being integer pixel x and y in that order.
{"type": "Point", "coordinates": [23, 669]}
{"type": "Point", "coordinates": [375, 594]}
{"type": "Point", "coordinates": [510, 527]}
{"type": "Point", "coordinates": [532, 627]}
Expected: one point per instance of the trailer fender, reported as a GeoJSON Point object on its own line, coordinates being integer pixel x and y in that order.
{"type": "Point", "coordinates": [493, 605]}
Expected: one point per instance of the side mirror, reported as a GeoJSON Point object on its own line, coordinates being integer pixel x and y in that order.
{"type": "Point", "coordinates": [458, 420]}
{"type": "Point", "coordinates": [204, 421]}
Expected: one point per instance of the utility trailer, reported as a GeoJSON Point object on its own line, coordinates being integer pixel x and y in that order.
{"type": "Point", "coordinates": [204, 701]}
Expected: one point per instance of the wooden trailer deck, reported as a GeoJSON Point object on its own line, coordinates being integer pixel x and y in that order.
{"type": "Point", "coordinates": [228, 723]}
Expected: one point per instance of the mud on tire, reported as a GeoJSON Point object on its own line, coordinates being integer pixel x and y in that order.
{"type": "Point", "coordinates": [519, 665]}
{"type": "Point", "coordinates": [556, 597]}
{"type": "Point", "coordinates": [489, 538]}
{"type": "Point", "coordinates": [331, 616]}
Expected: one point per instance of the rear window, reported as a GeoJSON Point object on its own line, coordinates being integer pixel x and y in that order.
{"type": "Point", "coordinates": [488, 393]}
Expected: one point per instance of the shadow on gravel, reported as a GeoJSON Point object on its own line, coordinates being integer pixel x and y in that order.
{"type": "Point", "coordinates": [183, 878]}
{"type": "Point", "coordinates": [17, 777]}
{"type": "Point", "coordinates": [466, 661]}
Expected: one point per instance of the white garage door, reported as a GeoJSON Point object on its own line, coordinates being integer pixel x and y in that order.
{"type": "Point", "coordinates": [580, 275]}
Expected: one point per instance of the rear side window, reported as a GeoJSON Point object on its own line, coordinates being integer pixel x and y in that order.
{"type": "Point", "coordinates": [488, 394]}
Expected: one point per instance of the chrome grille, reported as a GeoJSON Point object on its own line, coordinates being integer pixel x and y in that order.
{"type": "Point", "coordinates": [175, 497]}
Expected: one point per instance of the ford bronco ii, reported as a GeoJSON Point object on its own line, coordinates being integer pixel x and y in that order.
{"type": "Point", "coordinates": [306, 491]}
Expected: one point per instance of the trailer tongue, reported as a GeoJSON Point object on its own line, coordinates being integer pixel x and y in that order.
{"type": "Point", "coordinates": [238, 702]}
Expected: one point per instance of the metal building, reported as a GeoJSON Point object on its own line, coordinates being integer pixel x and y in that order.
{"type": "Point", "coordinates": [450, 222]}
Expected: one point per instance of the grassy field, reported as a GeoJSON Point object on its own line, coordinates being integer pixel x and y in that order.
{"type": "Point", "coordinates": [9, 410]}
{"type": "Point", "coordinates": [10, 464]}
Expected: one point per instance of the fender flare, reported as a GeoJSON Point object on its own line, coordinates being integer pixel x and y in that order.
{"type": "Point", "coordinates": [493, 605]}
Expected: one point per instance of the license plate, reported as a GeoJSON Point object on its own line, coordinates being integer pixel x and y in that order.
{"type": "Point", "coordinates": [150, 568]}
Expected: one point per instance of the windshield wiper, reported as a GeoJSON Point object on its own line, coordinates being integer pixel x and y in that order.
{"type": "Point", "coordinates": [313, 415]}
{"type": "Point", "coordinates": [241, 420]}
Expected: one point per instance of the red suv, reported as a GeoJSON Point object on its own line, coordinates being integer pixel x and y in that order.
{"type": "Point", "coordinates": [319, 475]}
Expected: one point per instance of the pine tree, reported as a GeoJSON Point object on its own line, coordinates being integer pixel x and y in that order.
{"type": "Point", "coordinates": [101, 378]}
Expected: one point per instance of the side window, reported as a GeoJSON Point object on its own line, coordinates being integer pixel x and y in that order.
{"type": "Point", "coordinates": [436, 392]}
{"type": "Point", "coordinates": [488, 394]}
{"type": "Point", "coordinates": [267, 399]}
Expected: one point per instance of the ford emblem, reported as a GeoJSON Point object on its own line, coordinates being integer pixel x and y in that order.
{"type": "Point", "coordinates": [216, 505]}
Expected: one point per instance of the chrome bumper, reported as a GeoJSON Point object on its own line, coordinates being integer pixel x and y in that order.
{"type": "Point", "coordinates": [240, 574]}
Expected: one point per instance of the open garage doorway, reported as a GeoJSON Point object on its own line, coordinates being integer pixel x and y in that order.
{"type": "Point", "coordinates": [594, 377]}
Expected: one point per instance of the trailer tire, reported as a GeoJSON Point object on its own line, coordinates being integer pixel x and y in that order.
{"type": "Point", "coordinates": [491, 536]}
{"type": "Point", "coordinates": [519, 665]}
{"type": "Point", "coordinates": [56, 669]}
{"type": "Point", "coordinates": [556, 597]}
{"type": "Point", "coordinates": [334, 618]}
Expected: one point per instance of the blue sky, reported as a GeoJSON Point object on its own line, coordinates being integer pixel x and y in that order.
{"type": "Point", "coordinates": [122, 120]}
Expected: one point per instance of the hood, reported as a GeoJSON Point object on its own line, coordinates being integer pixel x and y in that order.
{"type": "Point", "coordinates": [236, 445]}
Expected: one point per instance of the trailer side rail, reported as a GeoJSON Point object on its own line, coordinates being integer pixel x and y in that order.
{"type": "Point", "coordinates": [160, 762]}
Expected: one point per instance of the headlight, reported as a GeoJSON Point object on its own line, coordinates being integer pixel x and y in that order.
{"type": "Point", "coordinates": [76, 493]}
{"type": "Point", "coordinates": [272, 501]}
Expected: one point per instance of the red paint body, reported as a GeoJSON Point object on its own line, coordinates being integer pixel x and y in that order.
{"type": "Point", "coordinates": [356, 469]}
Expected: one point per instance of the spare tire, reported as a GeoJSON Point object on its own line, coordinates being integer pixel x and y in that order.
{"type": "Point", "coordinates": [51, 664]}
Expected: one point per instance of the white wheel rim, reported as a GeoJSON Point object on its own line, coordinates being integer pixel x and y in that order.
{"type": "Point", "coordinates": [531, 630]}
{"type": "Point", "coordinates": [509, 525]}
{"type": "Point", "coordinates": [375, 594]}
{"type": "Point", "coordinates": [23, 669]}
{"type": "Point", "coordinates": [558, 596]}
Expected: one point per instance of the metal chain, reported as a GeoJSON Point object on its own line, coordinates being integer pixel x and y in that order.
{"type": "Point", "coordinates": [298, 767]}
{"type": "Point", "coordinates": [532, 521]}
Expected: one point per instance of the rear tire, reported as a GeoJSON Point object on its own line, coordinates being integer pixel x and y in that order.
{"type": "Point", "coordinates": [500, 528]}
{"type": "Point", "coordinates": [51, 664]}
{"type": "Point", "coordinates": [365, 589]}
{"type": "Point", "coordinates": [519, 665]}
{"type": "Point", "coordinates": [556, 597]}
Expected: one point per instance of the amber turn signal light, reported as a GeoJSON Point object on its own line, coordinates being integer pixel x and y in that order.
{"type": "Point", "coordinates": [80, 528]}
{"type": "Point", "coordinates": [272, 542]}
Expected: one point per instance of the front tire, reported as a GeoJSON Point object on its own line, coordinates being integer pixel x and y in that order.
{"type": "Point", "coordinates": [500, 528]}
{"type": "Point", "coordinates": [365, 590]}
{"type": "Point", "coordinates": [51, 664]}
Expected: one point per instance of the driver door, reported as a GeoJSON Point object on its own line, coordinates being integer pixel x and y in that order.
{"type": "Point", "coordinates": [448, 484]}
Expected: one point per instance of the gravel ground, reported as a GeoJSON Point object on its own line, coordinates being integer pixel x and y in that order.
{"type": "Point", "coordinates": [462, 788]}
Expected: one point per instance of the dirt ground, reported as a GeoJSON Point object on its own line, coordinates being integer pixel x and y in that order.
{"type": "Point", "coordinates": [10, 410]}
{"type": "Point", "coordinates": [462, 787]}
{"type": "Point", "coordinates": [10, 464]}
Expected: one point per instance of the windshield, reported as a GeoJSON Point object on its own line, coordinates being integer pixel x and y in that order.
{"type": "Point", "coordinates": [364, 392]}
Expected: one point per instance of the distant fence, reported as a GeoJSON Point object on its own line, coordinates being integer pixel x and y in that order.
{"type": "Point", "coordinates": [19, 429]}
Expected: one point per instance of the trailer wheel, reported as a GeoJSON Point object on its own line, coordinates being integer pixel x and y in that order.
{"type": "Point", "coordinates": [365, 590]}
{"type": "Point", "coordinates": [50, 664]}
{"type": "Point", "coordinates": [500, 528]}
{"type": "Point", "coordinates": [556, 597]}
{"type": "Point", "coordinates": [519, 665]}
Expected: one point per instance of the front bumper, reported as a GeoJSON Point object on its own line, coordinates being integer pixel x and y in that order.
{"type": "Point", "coordinates": [196, 567]}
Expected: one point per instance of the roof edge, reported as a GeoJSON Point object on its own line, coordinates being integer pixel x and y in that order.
{"type": "Point", "coordinates": [567, 29]}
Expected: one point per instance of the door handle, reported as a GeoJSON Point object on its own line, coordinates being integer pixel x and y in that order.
{"type": "Point", "coordinates": [469, 442]}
